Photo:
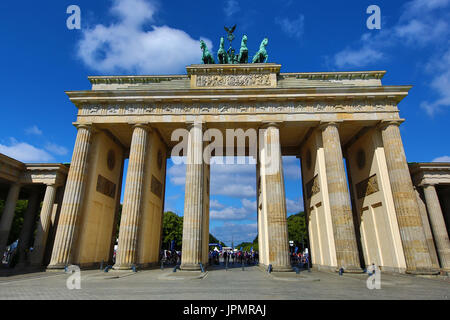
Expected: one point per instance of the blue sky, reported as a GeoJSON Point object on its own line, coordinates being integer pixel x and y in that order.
{"type": "Point", "coordinates": [41, 58]}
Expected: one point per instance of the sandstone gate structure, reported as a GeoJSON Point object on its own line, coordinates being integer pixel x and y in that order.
{"type": "Point", "coordinates": [364, 213]}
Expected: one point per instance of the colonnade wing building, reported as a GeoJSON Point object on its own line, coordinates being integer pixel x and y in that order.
{"type": "Point", "coordinates": [360, 211]}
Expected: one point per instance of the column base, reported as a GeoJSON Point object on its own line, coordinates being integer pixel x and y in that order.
{"type": "Point", "coordinates": [56, 267]}
{"type": "Point", "coordinates": [351, 269]}
{"type": "Point", "coordinates": [122, 267]}
{"type": "Point", "coordinates": [264, 267]}
{"type": "Point", "coordinates": [190, 267]}
{"type": "Point", "coordinates": [427, 271]}
{"type": "Point", "coordinates": [282, 269]}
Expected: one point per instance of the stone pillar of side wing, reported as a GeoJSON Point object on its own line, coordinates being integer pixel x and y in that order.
{"type": "Point", "coordinates": [438, 225]}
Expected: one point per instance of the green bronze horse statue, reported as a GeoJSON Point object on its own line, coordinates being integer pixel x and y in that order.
{"type": "Point", "coordinates": [261, 56]}
{"type": "Point", "coordinates": [222, 55]}
{"type": "Point", "coordinates": [207, 58]}
{"type": "Point", "coordinates": [243, 53]}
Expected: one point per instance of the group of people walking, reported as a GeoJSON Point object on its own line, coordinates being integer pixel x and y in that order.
{"type": "Point", "coordinates": [233, 257]}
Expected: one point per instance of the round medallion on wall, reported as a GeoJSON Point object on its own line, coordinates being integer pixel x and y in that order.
{"type": "Point", "coordinates": [111, 160]}
{"type": "Point", "coordinates": [308, 159]}
{"type": "Point", "coordinates": [160, 159]}
{"type": "Point", "coordinates": [361, 159]}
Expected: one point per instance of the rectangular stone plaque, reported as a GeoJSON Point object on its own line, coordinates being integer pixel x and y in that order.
{"type": "Point", "coordinates": [106, 187]}
{"type": "Point", "coordinates": [367, 187]}
{"type": "Point", "coordinates": [156, 187]}
{"type": "Point", "coordinates": [313, 187]}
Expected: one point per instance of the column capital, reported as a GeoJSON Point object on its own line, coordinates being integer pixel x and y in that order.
{"type": "Point", "coordinates": [88, 126]}
{"type": "Point", "coordinates": [144, 125]}
{"type": "Point", "coordinates": [325, 124]}
{"type": "Point", "coordinates": [390, 122]}
{"type": "Point", "coordinates": [268, 124]}
{"type": "Point", "coordinates": [191, 124]}
{"type": "Point", "coordinates": [427, 184]}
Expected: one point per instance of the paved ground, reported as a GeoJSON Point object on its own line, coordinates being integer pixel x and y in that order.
{"type": "Point", "coordinates": [219, 284]}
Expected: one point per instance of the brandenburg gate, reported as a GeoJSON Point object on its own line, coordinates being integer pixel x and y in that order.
{"type": "Point", "coordinates": [344, 127]}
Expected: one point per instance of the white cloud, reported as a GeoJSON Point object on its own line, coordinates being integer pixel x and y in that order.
{"type": "Point", "coordinates": [292, 27]}
{"type": "Point", "coordinates": [56, 149]}
{"type": "Point", "coordinates": [236, 232]}
{"type": "Point", "coordinates": [424, 24]}
{"type": "Point", "coordinates": [126, 47]}
{"type": "Point", "coordinates": [247, 211]}
{"type": "Point", "coordinates": [215, 204]}
{"type": "Point", "coordinates": [231, 7]}
{"type": "Point", "coordinates": [294, 206]}
{"type": "Point", "coordinates": [291, 168]}
{"type": "Point", "coordinates": [440, 66]}
{"type": "Point", "coordinates": [25, 152]}
{"type": "Point", "coordinates": [34, 130]}
{"type": "Point", "coordinates": [356, 58]}
{"type": "Point", "coordinates": [442, 159]}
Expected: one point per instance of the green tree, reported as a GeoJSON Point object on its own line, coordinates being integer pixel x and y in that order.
{"type": "Point", "coordinates": [297, 231]}
{"type": "Point", "coordinates": [172, 230]}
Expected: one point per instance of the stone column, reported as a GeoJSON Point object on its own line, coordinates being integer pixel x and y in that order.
{"type": "Point", "coordinates": [191, 253]}
{"type": "Point", "coordinates": [417, 256]}
{"type": "Point", "coordinates": [73, 199]}
{"type": "Point", "coordinates": [426, 228]}
{"type": "Point", "coordinates": [44, 225]}
{"type": "Point", "coordinates": [272, 166]}
{"type": "Point", "coordinates": [27, 228]}
{"type": "Point", "coordinates": [126, 255]}
{"type": "Point", "coordinates": [8, 215]}
{"type": "Point", "coordinates": [341, 213]}
{"type": "Point", "coordinates": [438, 225]}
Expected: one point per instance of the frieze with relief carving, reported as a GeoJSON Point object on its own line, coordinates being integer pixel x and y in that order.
{"type": "Point", "coordinates": [239, 108]}
{"type": "Point", "coordinates": [252, 80]}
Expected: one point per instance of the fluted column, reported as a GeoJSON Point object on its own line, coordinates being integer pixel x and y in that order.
{"type": "Point", "coordinates": [417, 256]}
{"type": "Point", "coordinates": [341, 213]}
{"type": "Point", "coordinates": [438, 225]}
{"type": "Point", "coordinates": [272, 166]}
{"type": "Point", "coordinates": [133, 199]}
{"type": "Point", "coordinates": [72, 202]}
{"type": "Point", "coordinates": [27, 228]}
{"type": "Point", "coordinates": [44, 225]}
{"type": "Point", "coordinates": [191, 253]}
{"type": "Point", "coordinates": [8, 215]}
{"type": "Point", "coordinates": [427, 229]}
